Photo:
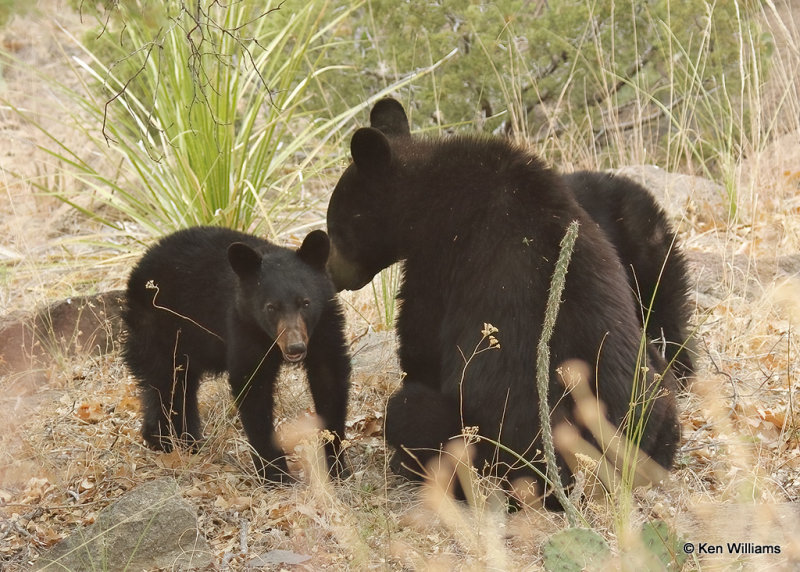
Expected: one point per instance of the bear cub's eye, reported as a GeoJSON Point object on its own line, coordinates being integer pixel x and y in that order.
{"type": "Point", "coordinates": [271, 308]}
{"type": "Point", "coordinates": [305, 303]}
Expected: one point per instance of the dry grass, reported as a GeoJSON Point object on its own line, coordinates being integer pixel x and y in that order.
{"type": "Point", "coordinates": [72, 446]}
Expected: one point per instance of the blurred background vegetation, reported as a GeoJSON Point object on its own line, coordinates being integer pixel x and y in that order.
{"type": "Point", "coordinates": [525, 67]}
{"type": "Point", "coordinates": [220, 113]}
{"type": "Point", "coordinates": [542, 68]}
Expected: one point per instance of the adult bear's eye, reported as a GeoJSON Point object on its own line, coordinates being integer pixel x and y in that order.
{"type": "Point", "coordinates": [305, 303]}
{"type": "Point", "coordinates": [271, 308]}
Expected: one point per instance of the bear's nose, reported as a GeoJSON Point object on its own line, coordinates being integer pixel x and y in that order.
{"type": "Point", "coordinates": [295, 352]}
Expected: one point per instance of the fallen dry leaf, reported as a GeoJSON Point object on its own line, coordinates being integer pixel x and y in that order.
{"type": "Point", "coordinates": [238, 503]}
{"type": "Point", "coordinates": [90, 412]}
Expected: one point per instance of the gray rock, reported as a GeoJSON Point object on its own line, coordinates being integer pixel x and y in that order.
{"type": "Point", "coordinates": [716, 277]}
{"type": "Point", "coordinates": [376, 352]}
{"type": "Point", "coordinates": [681, 195]}
{"type": "Point", "coordinates": [151, 527]}
{"type": "Point", "coordinates": [277, 557]}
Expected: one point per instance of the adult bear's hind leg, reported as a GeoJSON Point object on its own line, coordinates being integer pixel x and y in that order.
{"type": "Point", "coordinates": [419, 422]}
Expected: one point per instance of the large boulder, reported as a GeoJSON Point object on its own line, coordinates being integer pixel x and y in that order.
{"type": "Point", "coordinates": [151, 527]}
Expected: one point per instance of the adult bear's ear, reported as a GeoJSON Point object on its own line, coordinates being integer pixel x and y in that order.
{"type": "Point", "coordinates": [371, 151]}
{"type": "Point", "coordinates": [315, 249]}
{"type": "Point", "coordinates": [245, 261]}
{"type": "Point", "coordinates": [389, 117]}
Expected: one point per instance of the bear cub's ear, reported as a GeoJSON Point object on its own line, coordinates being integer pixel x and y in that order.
{"type": "Point", "coordinates": [245, 261]}
{"type": "Point", "coordinates": [389, 117]}
{"type": "Point", "coordinates": [371, 151]}
{"type": "Point", "coordinates": [315, 249]}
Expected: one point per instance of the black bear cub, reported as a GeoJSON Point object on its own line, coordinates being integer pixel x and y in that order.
{"type": "Point", "coordinates": [647, 247]}
{"type": "Point", "coordinates": [213, 300]}
{"type": "Point", "coordinates": [478, 222]}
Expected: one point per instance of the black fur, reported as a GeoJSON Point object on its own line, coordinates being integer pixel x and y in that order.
{"type": "Point", "coordinates": [228, 301]}
{"type": "Point", "coordinates": [478, 223]}
{"type": "Point", "coordinates": [648, 248]}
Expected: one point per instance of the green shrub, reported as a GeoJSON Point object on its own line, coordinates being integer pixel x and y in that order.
{"type": "Point", "coordinates": [569, 74]}
{"type": "Point", "coordinates": [202, 108]}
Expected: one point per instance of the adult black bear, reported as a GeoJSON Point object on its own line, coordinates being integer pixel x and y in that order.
{"type": "Point", "coordinates": [209, 299]}
{"type": "Point", "coordinates": [648, 249]}
{"type": "Point", "coordinates": [478, 223]}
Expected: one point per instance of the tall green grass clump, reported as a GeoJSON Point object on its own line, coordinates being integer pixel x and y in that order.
{"type": "Point", "coordinates": [192, 113]}
{"type": "Point", "coordinates": [201, 110]}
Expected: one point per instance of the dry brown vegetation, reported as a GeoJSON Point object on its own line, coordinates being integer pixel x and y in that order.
{"type": "Point", "coordinates": [69, 433]}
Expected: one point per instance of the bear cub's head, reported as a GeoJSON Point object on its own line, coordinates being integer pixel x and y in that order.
{"type": "Point", "coordinates": [283, 292]}
{"type": "Point", "coordinates": [364, 195]}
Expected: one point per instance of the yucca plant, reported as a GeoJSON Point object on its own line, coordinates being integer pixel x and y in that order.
{"type": "Point", "coordinates": [201, 116]}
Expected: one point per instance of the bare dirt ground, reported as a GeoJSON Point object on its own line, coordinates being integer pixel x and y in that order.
{"type": "Point", "coordinates": [69, 441]}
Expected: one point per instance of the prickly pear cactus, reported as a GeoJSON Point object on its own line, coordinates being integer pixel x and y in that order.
{"type": "Point", "coordinates": [575, 549]}
{"type": "Point", "coordinates": [663, 543]}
